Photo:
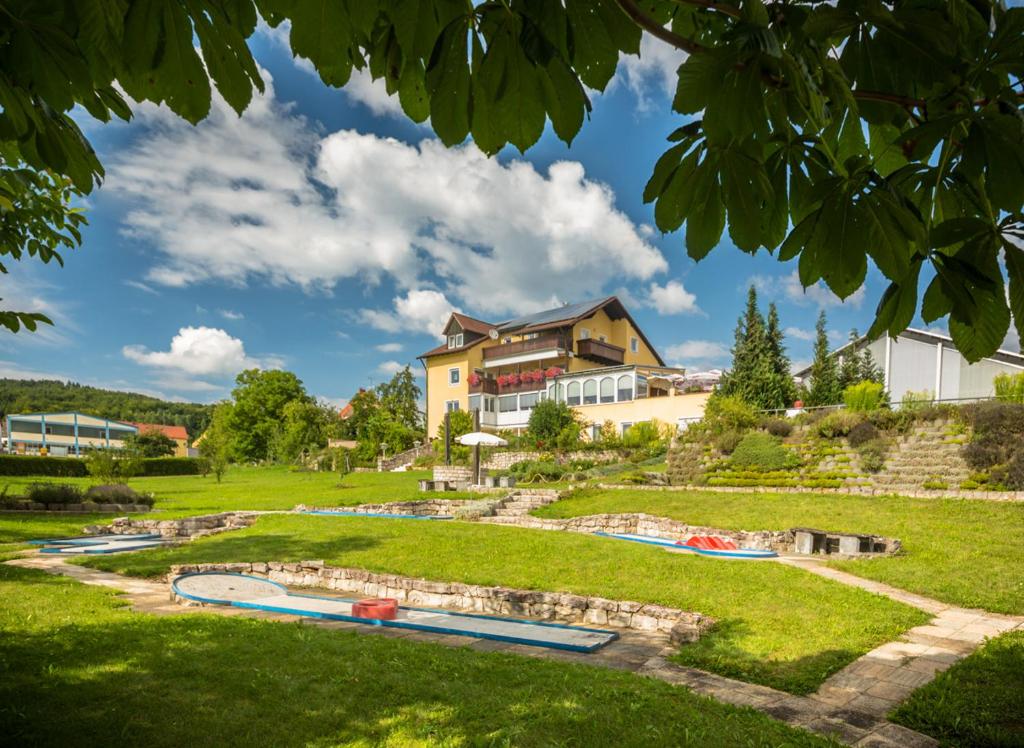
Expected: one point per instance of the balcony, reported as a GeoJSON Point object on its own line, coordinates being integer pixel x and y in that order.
{"type": "Point", "coordinates": [600, 351]}
{"type": "Point", "coordinates": [522, 351]}
{"type": "Point", "coordinates": [486, 386]}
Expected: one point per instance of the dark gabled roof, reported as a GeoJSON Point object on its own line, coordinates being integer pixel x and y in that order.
{"type": "Point", "coordinates": [562, 316]}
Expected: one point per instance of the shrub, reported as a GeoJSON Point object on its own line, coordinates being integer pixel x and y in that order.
{"type": "Point", "coordinates": [836, 424]}
{"type": "Point", "coordinates": [569, 436]}
{"type": "Point", "coordinates": [778, 427]}
{"type": "Point", "coordinates": [728, 413]}
{"type": "Point", "coordinates": [686, 465]}
{"type": "Point", "coordinates": [727, 441]}
{"type": "Point", "coordinates": [934, 484]}
{"type": "Point", "coordinates": [117, 493]}
{"type": "Point", "coordinates": [916, 400]}
{"type": "Point", "coordinates": [862, 433]}
{"type": "Point", "coordinates": [54, 493]}
{"type": "Point", "coordinates": [102, 465]}
{"type": "Point", "coordinates": [644, 435]}
{"type": "Point", "coordinates": [863, 397]}
{"type": "Point", "coordinates": [548, 419]}
{"type": "Point", "coordinates": [873, 454]}
{"type": "Point", "coordinates": [51, 467]}
{"type": "Point", "coordinates": [762, 452]}
{"type": "Point", "coordinates": [1009, 387]}
{"type": "Point", "coordinates": [531, 471]}
{"type": "Point", "coordinates": [1011, 475]}
{"type": "Point", "coordinates": [886, 419]}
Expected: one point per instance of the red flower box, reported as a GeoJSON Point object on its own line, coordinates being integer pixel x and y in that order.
{"type": "Point", "coordinates": [502, 380]}
{"type": "Point", "coordinates": [513, 379]}
{"type": "Point", "coordinates": [537, 375]}
{"type": "Point", "coordinates": [553, 372]}
{"type": "Point", "coordinates": [474, 379]}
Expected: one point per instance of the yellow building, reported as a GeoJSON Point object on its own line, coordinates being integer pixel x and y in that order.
{"type": "Point", "coordinates": [591, 355]}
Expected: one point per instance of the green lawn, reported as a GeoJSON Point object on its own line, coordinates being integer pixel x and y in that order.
{"type": "Point", "coordinates": [979, 701]}
{"type": "Point", "coordinates": [78, 669]}
{"type": "Point", "coordinates": [777, 625]}
{"type": "Point", "coordinates": [965, 552]}
{"type": "Point", "coordinates": [246, 487]}
{"type": "Point", "coordinates": [16, 528]}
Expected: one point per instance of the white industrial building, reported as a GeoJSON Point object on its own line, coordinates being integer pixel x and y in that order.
{"type": "Point", "coordinates": [923, 361]}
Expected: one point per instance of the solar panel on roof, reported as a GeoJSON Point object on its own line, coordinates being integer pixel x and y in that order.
{"type": "Point", "coordinates": [570, 311]}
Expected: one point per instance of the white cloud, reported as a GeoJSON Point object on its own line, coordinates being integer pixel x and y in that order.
{"type": "Point", "coordinates": [139, 285]}
{"type": "Point", "coordinates": [790, 288]}
{"type": "Point", "coordinates": [418, 311]}
{"type": "Point", "coordinates": [264, 196]}
{"type": "Point", "coordinates": [228, 314]}
{"type": "Point", "coordinates": [799, 333]}
{"type": "Point", "coordinates": [673, 298]}
{"type": "Point", "coordinates": [389, 347]}
{"type": "Point", "coordinates": [361, 86]}
{"type": "Point", "coordinates": [699, 353]}
{"type": "Point", "coordinates": [200, 351]}
{"type": "Point", "coordinates": [29, 294]}
{"type": "Point", "coordinates": [652, 73]}
{"type": "Point", "coordinates": [390, 367]}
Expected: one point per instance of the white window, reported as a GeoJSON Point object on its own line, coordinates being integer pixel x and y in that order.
{"type": "Point", "coordinates": [595, 432]}
{"type": "Point", "coordinates": [508, 403]}
{"type": "Point", "coordinates": [572, 393]}
{"type": "Point", "coordinates": [455, 341]}
{"type": "Point", "coordinates": [531, 336]}
{"type": "Point", "coordinates": [584, 333]}
{"type": "Point", "coordinates": [488, 405]}
{"type": "Point", "coordinates": [625, 425]}
{"type": "Point", "coordinates": [527, 400]}
{"type": "Point", "coordinates": [453, 375]}
{"type": "Point", "coordinates": [451, 405]}
{"type": "Point", "coordinates": [590, 392]}
{"type": "Point", "coordinates": [474, 403]}
{"type": "Point", "coordinates": [634, 345]}
{"type": "Point", "coordinates": [607, 390]}
{"type": "Point", "coordinates": [625, 388]}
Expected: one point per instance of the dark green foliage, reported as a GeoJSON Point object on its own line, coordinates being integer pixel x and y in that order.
{"type": "Point", "coordinates": [151, 443]}
{"type": "Point", "coordinates": [998, 434]}
{"type": "Point", "coordinates": [862, 433]}
{"type": "Point", "coordinates": [259, 399]}
{"type": "Point", "coordinates": [836, 424]}
{"type": "Point", "coordinates": [173, 466]}
{"type": "Point", "coordinates": [1011, 473]}
{"type": "Point", "coordinates": [727, 441]}
{"type": "Point", "coordinates": [117, 493]}
{"type": "Point", "coordinates": [825, 386]}
{"type": "Point", "coordinates": [759, 374]}
{"type": "Point", "coordinates": [778, 427]}
{"type": "Point", "coordinates": [54, 493]}
{"type": "Point", "coordinates": [50, 396]}
{"type": "Point", "coordinates": [762, 452]}
{"type": "Point", "coordinates": [728, 413]}
{"type": "Point", "coordinates": [547, 421]}
{"type": "Point", "coordinates": [56, 467]}
{"type": "Point", "coordinates": [534, 471]}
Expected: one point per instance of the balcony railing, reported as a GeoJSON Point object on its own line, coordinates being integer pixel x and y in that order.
{"type": "Point", "coordinates": [542, 343]}
{"type": "Point", "coordinates": [600, 351]}
{"type": "Point", "coordinates": [486, 386]}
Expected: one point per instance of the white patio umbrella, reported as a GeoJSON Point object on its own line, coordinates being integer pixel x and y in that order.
{"type": "Point", "coordinates": [481, 439]}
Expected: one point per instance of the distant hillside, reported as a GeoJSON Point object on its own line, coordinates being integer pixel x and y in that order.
{"type": "Point", "coordinates": [49, 396]}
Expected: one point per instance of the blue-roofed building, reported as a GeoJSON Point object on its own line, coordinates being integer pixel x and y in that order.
{"type": "Point", "coordinates": [63, 434]}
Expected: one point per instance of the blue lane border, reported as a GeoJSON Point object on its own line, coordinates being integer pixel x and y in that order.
{"type": "Point", "coordinates": [612, 635]}
{"type": "Point", "coordinates": [93, 540]}
{"type": "Point", "coordinates": [749, 554]}
{"type": "Point", "coordinates": [380, 515]}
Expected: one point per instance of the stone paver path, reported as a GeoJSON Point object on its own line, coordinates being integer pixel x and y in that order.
{"type": "Point", "coordinates": [884, 677]}
{"type": "Point", "coordinates": [643, 653]}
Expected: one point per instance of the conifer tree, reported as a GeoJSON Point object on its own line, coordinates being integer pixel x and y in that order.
{"type": "Point", "coordinates": [850, 369]}
{"type": "Point", "coordinates": [757, 360]}
{"type": "Point", "coordinates": [824, 376]}
{"type": "Point", "coordinates": [783, 391]}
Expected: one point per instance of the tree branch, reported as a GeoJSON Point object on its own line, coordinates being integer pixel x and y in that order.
{"type": "Point", "coordinates": [631, 9]}
{"type": "Point", "coordinates": [729, 10]}
{"type": "Point", "coordinates": [904, 101]}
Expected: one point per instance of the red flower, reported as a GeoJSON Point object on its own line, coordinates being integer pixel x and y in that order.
{"type": "Point", "coordinates": [553, 372]}
{"type": "Point", "coordinates": [474, 379]}
{"type": "Point", "coordinates": [537, 375]}
{"type": "Point", "coordinates": [502, 380]}
{"type": "Point", "coordinates": [513, 379]}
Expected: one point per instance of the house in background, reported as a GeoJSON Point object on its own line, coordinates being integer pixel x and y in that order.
{"type": "Point", "coordinates": [591, 355]}
{"type": "Point", "coordinates": [62, 434]}
{"type": "Point", "coordinates": [922, 361]}
{"type": "Point", "coordinates": [177, 434]}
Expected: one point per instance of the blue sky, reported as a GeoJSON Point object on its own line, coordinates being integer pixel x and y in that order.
{"type": "Point", "coordinates": [324, 233]}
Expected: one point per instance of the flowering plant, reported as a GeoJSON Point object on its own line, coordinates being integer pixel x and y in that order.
{"type": "Point", "coordinates": [474, 379]}
{"type": "Point", "coordinates": [502, 380]}
{"type": "Point", "coordinates": [513, 379]}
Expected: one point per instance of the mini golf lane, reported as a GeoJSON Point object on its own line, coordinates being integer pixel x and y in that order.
{"type": "Point", "coordinates": [98, 544]}
{"type": "Point", "coordinates": [242, 591]}
{"type": "Point", "coordinates": [672, 545]}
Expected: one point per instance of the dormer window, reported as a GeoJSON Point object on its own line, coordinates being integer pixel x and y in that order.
{"type": "Point", "coordinates": [455, 341]}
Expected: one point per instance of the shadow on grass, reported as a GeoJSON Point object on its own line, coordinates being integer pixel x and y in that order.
{"type": "Point", "coordinates": [204, 680]}
{"type": "Point", "coordinates": [236, 548]}
{"type": "Point", "coordinates": [720, 651]}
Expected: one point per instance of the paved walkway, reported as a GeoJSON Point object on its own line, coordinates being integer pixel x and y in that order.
{"type": "Point", "coordinates": [887, 675]}
{"type": "Point", "coordinates": [642, 653]}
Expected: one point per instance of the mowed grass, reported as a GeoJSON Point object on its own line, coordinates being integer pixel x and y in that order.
{"type": "Point", "coordinates": [979, 701]}
{"type": "Point", "coordinates": [16, 529]}
{"type": "Point", "coordinates": [78, 669]}
{"type": "Point", "coordinates": [776, 625]}
{"type": "Point", "coordinates": [261, 488]}
{"type": "Point", "coordinates": [964, 552]}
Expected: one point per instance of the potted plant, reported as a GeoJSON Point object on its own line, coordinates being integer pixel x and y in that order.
{"type": "Point", "coordinates": [502, 380]}
{"type": "Point", "coordinates": [474, 379]}
{"type": "Point", "coordinates": [513, 380]}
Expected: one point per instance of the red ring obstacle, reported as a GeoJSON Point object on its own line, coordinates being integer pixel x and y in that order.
{"type": "Point", "coordinates": [377, 608]}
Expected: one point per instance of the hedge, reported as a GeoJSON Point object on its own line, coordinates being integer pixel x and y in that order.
{"type": "Point", "coordinates": [69, 467]}
{"type": "Point", "coordinates": [55, 467]}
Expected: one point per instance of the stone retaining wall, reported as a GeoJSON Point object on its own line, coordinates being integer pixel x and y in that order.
{"type": "Point", "coordinates": [404, 458]}
{"type": "Point", "coordinates": [455, 473]}
{"type": "Point", "coordinates": [188, 527]}
{"type": "Point", "coordinates": [460, 508]}
{"type": "Point", "coordinates": [505, 460]}
{"type": "Point", "coordinates": [547, 606]}
{"type": "Point", "coordinates": [83, 508]}
{"type": "Point", "coordinates": [1010, 496]}
{"type": "Point", "coordinates": [651, 526]}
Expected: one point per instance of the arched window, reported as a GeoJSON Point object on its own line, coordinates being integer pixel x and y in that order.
{"type": "Point", "coordinates": [607, 390]}
{"type": "Point", "coordinates": [573, 393]}
{"type": "Point", "coordinates": [590, 392]}
{"type": "Point", "coordinates": [625, 388]}
{"type": "Point", "coordinates": [560, 393]}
